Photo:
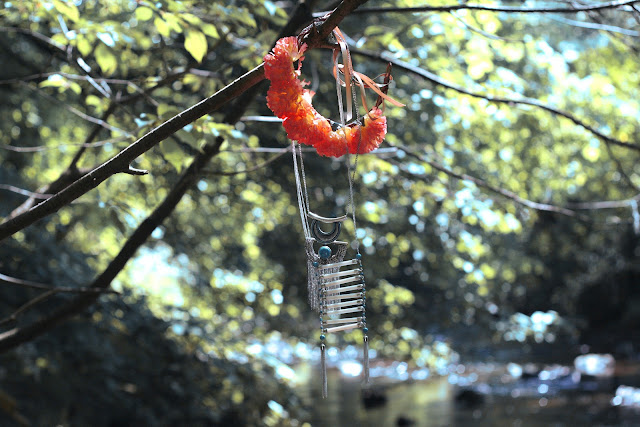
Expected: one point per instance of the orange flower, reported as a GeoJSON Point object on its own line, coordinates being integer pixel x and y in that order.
{"type": "Point", "coordinates": [288, 100]}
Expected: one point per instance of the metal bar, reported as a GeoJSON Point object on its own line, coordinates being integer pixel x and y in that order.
{"type": "Point", "coordinates": [345, 310]}
{"type": "Point", "coordinates": [325, 219]}
{"type": "Point", "coordinates": [343, 320]}
{"type": "Point", "coordinates": [345, 296]}
{"type": "Point", "coordinates": [344, 289]}
{"type": "Point", "coordinates": [344, 303]}
{"type": "Point", "coordinates": [342, 328]}
{"type": "Point", "coordinates": [343, 281]}
{"type": "Point", "coordinates": [339, 264]}
{"type": "Point", "coordinates": [341, 273]}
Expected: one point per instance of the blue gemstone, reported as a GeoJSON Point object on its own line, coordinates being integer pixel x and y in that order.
{"type": "Point", "coordinates": [316, 263]}
{"type": "Point", "coordinates": [322, 337]}
{"type": "Point", "coordinates": [365, 329]}
{"type": "Point", "coordinates": [359, 256]}
{"type": "Point", "coordinates": [324, 252]}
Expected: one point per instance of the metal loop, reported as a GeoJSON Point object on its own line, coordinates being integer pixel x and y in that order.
{"type": "Point", "coordinates": [323, 236]}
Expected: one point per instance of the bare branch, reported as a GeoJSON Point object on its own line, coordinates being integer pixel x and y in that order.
{"type": "Point", "coordinates": [63, 74]}
{"type": "Point", "coordinates": [35, 35]}
{"type": "Point", "coordinates": [433, 78]}
{"type": "Point", "coordinates": [77, 112]}
{"type": "Point", "coordinates": [621, 170]}
{"type": "Point", "coordinates": [133, 171]}
{"type": "Point", "coordinates": [594, 26]}
{"type": "Point", "coordinates": [508, 9]}
{"type": "Point", "coordinates": [24, 192]}
{"type": "Point", "coordinates": [481, 31]}
{"type": "Point", "coordinates": [38, 148]}
{"type": "Point", "coordinates": [568, 210]}
{"type": "Point", "coordinates": [249, 170]}
{"type": "Point", "coordinates": [60, 289]}
{"type": "Point", "coordinates": [612, 204]}
{"type": "Point", "coordinates": [24, 307]}
{"type": "Point", "coordinates": [482, 183]}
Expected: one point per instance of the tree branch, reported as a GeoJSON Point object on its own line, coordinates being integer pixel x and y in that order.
{"type": "Point", "coordinates": [251, 169]}
{"type": "Point", "coordinates": [433, 78]}
{"type": "Point", "coordinates": [568, 210]}
{"type": "Point", "coordinates": [596, 26]}
{"type": "Point", "coordinates": [482, 183]}
{"type": "Point", "coordinates": [508, 9]}
{"type": "Point", "coordinates": [24, 192]}
{"type": "Point", "coordinates": [43, 287]}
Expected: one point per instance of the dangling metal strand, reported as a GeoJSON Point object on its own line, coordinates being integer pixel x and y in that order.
{"type": "Point", "coordinates": [323, 366]}
{"type": "Point", "coordinates": [365, 362]}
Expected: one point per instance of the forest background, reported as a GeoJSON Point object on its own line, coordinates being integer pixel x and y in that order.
{"type": "Point", "coordinates": [500, 214]}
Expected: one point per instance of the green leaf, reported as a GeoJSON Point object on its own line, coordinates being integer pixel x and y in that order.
{"type": "Point", "coordinates": [162, 27]}
{"type": "Point", "coordinates": [173, 22]}
{"type": "Point", "coordinates": [210, 30]}
{"type": "Point", "coordinates": [67, 9]}
{"type": "Point", "coordinates": [196, 44]}
{"type": "Point", "coordinates": [173, 154]}
{"type": "Point", "coordinates": [83, 45]}
{"type": "Point", "coordinates": [191, 19]}
{"type": "Point", "coordinates": [107, 61]}
{"type": "Point", "coordinates": [93, 101]}
{"type": "Point", "coordinates": [54, 80]}
{"type": "Point", "coordinates": [144, 13]}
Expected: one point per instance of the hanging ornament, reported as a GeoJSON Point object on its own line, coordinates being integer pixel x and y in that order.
{"type": "Point", "coordinates": [336, 286]}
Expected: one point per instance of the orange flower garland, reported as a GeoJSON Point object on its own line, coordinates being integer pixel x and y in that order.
{"type": "Point", "coordinates": [288, 100]}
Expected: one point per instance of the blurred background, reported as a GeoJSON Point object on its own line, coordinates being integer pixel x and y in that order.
{"type": "Point", "coordinates": [498, 222]}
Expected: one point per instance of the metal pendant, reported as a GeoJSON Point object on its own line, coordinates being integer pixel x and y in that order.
{"type": "Point", "coordinates": [319, 234]}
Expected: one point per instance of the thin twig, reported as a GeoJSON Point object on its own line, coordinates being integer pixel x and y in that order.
{"type": "Point", "coordinates": [63, 74]}
{"type": "Point", "coordinates": [594, 26]}
{"type": "Point", "coordinates": [24, 307]}
{"type": "Point", "coordinates": [508, 9]}
{"type": "Point", "coordinates": [611, 204]}
{"type": "Point", "coordinates": [433, 78]}
{"type": "Point", "coordinates": [249, 170]}
{"type": "Point", "coordinates": [24, 192]}
{"type": "Point", "coordinates": [36, 35]}
{"type": "Point", "coordinates": [483, 32]}
{"type": "Point", "coordinates": [77, 112]}
{"type": "Point", "coordinates": [42, 286]}
{"type": "Point", "coordinates": [620, 168]}
{"type": "Point", "coordinates": [482, 183]}
{"type": "Point", "coordinates": [39, 148]}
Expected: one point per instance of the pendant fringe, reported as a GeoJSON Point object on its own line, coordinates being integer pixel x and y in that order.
{"type": "Point", "coordinates": [323, 366]}
{"type": "Point", "coordinates": [366, 359]}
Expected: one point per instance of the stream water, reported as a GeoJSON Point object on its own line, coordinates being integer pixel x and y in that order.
{"type": "Point", "coordinates": [486, 395]}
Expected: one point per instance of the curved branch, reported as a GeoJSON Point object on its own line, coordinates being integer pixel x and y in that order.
{"type": "Point", "coordinates": [595, 26]}
{"type": "Point", "coordinates": [569, 210]}
{"type": "Point", "coordinates": [24, 192]}
{"type": "Point", "coordinates": [251, 169]}
{"type": "Point", "coordinates": [482, 183]}
{"type": "Point", "coordinates": [43, 287]}
{"type": "Point", "coordinates": [508, 9]}
{"type": "Point", "coordinates": [433, 78]}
